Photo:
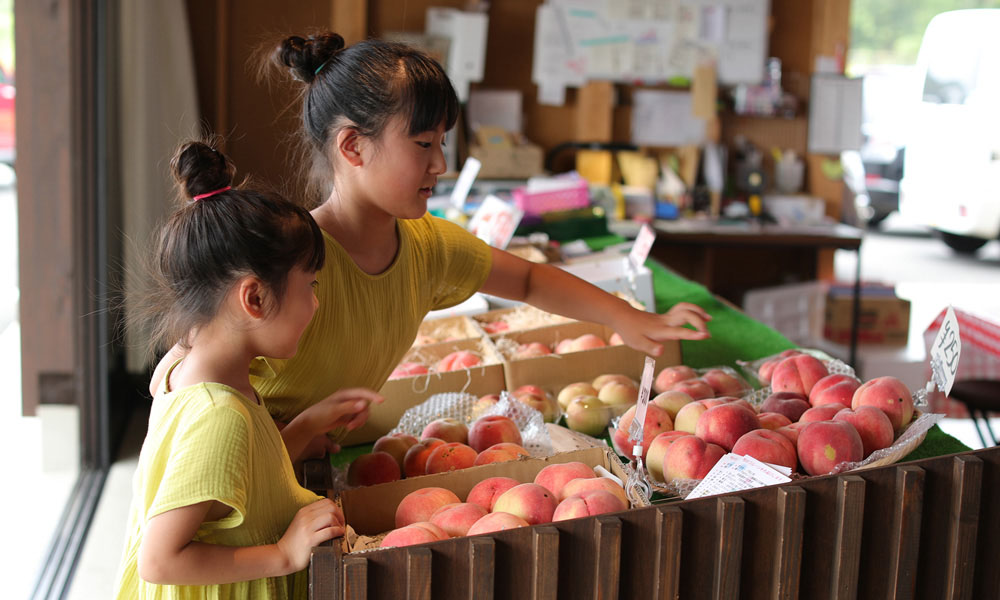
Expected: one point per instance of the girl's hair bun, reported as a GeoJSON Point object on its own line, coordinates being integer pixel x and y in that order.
{"type": "Point", "coordinates": [200, 168]}
{"type": "Point", "coordinates": [306, 56]}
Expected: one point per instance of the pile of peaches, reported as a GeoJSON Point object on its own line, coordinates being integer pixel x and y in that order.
{"type": "Point", "coordinates": [811, 421]}
{"type": "Point", "coordinates": [587, 341]}
{"type": "Point", "coordinates": [453, 361]}
{"type": "Point", "coordinates": [445, 444]}
{"type": "Point", "coordinates": [558, 492]}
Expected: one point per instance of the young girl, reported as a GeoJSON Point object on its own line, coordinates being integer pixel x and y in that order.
{"type": "Point", "coordinates": [216, 510]}
{"type": "Point", "coordinates": [374, 119]}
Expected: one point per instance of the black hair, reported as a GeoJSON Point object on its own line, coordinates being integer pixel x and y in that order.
{"type": "Point", "coordinates": [364, 86]}
{"type": "Point", "coordinates": [211, 242]}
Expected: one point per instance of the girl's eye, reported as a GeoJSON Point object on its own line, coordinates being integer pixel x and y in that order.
{"type": "Point", "coordinates": [424, 144]}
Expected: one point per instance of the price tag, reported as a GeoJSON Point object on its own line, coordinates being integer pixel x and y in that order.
{"type": "Point", "coordinates": [643, 244]}
{"type": "Point", "coordinates": [495, 221]}
{"type": "Point", "coordinates": [464, 183]}
{"type": "Point", "coordinates": [945, 352]}
{"type": "Point", "coordinates": [636, 427]}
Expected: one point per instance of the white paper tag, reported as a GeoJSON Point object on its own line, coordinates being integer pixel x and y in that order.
{"type": "Point", "coordinates": [495, 221]}
{"type": "Point", "coordinates": [945, 352]}
{"type": "Point", "coordinates": [643, 244]}
{"type": "Point", "coordinates": [734, 473]}
{"type": "Point", "coordinates": [636, 427]}
{"type": "Point", "coordinates": [464, 183]}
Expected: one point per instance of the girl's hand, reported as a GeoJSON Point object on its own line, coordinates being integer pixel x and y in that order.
{"type": "Point", "coordinates": [313, 524]}
{"type": "Point", "coordinates": [643, 330]}
{"type": "Point", "coordinates": [344, 408]}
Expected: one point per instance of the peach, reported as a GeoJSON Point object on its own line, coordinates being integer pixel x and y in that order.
{"type": "Point", "coordinates": [616, 340]}
{"type": "Point", "coordinates": [502, 452]}
{"type": "Point", "coordinates": [668, 376]}
{"type": "Point", "coordinates": [495, 326]}
{"type": "Point", "coordinates": [772, 421]}
{"type": "Point", "coordinates": [834, 388]}
{"type": "Point", "coordinates": [825, 444]}
{"type": "Point", "coordinates": [690, 457]}
{"type": "Point", "coordinates": [396, 445]}
{"type": "Point", "coordinates": [450, 457]}
{"type": "Point", "coordinates": [532, 502]}
{"type": "Point", "coordinates": [408, 369]}
{"type": "Point", "coordinates": [554, 477]}
{"type": "Point", "coordinates": [696, 388]}
{"type": "Point", "coordinates": [766, 369]}
{"type": "Point", "coordinates": [415, 533]}
{"type": "Point", "coordinates": [420, 504]}
{"type": "Point", "coordinates": [580, 388]}
{"type": "Point", "coordinates": [616, 393]}
{"type": "Point", "coordinates": [602, 380]}
{"type": "Point", "coordinates": [872, 424]}
{"type": "Point", "coordinates": [658, 450]}
{"type": "Point", "coordinates": [447, 429]}
{"type": "Point", "coordinates": [688, 415]}
{"type": "Point", "coordinates": [538, 400]}
{"type": "Point", "coordinates": [532, 350]}
{"type": "Point", "coordinates": [485, 403]}
{"type": "Point", "coordinates": [792, 432]}
{"type": "Point", "coordinates": [497, 521]}
{"type": "Point", "coordinates": [461, 359]}
{"type": "Point", "coordinates": [494, 429]}
{"type": "Point", "coordinates": [369, 469]}
{"type": "Point", "coordinates": [733, 400]}
{"type": "Point", "coordinates": [725, 383]}
{"type": "Point", "coordinates": [657, 421]}
{"type": "Point", "coordinates": [767, 446]}
{"type": "Point", "coordinates": [587, 341]}
{"type": "Point", "coordinates": [564, 346]}
{"type": "Point", "coordinates": [671, 401]}
{"type": "Point", "coordinates": [575, 486]}
{"type": "Point", "coordinates": [587, 414]}
{"type": "Point", "coordinates": [415, 460]}
{"type": "Point", "coordinates": [889, 394]}
{"type": "Point", "coordinates": [587, 504]}
{"type": "Point", "coordinates": [455, 519]}
{"type": "Point", "coordinates": [726, 423]}
{"type": "Point", "coordinates": [486, 492]}
{"type": "Point", "coordinates": [798, 374]}
{"type": "Point", "coordinates": [790, 404]}
{"type": "Point", "coordinates": [820, 413]}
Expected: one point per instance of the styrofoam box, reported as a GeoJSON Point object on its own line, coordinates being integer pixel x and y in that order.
{"type": "Point", "coordinates": [611, 274]}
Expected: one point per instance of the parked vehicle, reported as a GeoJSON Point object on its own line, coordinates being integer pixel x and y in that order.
{"type": "Point", "coordinates": [951, 177]}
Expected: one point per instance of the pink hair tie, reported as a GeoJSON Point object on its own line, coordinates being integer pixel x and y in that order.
{"type": "Point", "coordinates": [212, 193]}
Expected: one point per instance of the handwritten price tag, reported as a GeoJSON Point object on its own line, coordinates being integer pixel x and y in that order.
{"type": "Point", "coordinates": [495, 221]}
{"type": "Point", "coordinates": [643, 244]}
{"type": "Point", "coordinates": [945, 352]}
{"type": "Point", "coordinates": [636, 427]}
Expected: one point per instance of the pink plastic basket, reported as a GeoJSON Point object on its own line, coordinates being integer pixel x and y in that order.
{"type": "Point", "coordinates": [568, 198]}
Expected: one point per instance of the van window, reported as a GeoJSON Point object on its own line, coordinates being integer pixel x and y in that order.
{"type": "Point", "coordinates": [952, 72]}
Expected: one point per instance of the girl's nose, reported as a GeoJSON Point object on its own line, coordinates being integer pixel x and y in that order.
{"type": "Point", "coordinates": [438, 164]}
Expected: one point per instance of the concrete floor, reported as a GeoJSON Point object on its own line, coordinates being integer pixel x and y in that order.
{"type": "Point", "coordinates": [925, 271]}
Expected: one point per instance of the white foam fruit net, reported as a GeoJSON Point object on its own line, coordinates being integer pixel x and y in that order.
{"type": "Point", "coordinates": [534, 435]}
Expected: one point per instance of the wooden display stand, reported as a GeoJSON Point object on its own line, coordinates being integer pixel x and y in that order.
{"type": "Point", "coordinates": [925, 529]}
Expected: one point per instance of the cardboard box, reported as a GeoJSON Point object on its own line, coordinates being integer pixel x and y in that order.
{"type": "Point", "coordinates": [508, 162]}
{"type": "Point", "coordinates": [610, 272]}
{"type": "Point", "coordinates": [884, 319]}
{"type": "Point", "coordinates": [447, 329]}
{"type": "Point", "coordinates": [554, 371]}
{"type": "Point", "coordinates": [371, 510]}
{"type": "Point", "coordinates": [406, 392]}
{"type": "Point", "coordinates": [517, 318]}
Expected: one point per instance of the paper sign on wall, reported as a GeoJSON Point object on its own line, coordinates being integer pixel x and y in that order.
{"type": "Point", "coordinates": [945, 352]}
{"type": "Point", "coordinates": [495, 221]}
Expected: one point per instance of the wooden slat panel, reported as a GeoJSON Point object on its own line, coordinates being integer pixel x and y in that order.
{"type": "Point", "coordinates": [729, 549]}
{"type": "Point", "coordinates": [482, 565]}
{"type": "Point", "coordinates": [788, 545]}
{"type": "Point", "coordinates": [324, 572]}
{"type": "Point", "coordinates": [967, 481]}
{"type": "Point", "coordinates": [608, 534]}
{"type": "Point", "coordinates": [666, 574]}
{"type": "Point", "coordinates": [418, 574]}
{"type": "Point", "coordinates": [909, 500]}
{"type": "Point", "coordinates": [545, 566]}
{"type": "Point", "coordinates": [847, 547]}
{"type": "Point", "coordinates": [355, 578]}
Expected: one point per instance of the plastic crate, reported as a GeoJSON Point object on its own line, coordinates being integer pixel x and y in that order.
{"type": "Point", "coordinates": [795, 310]}
{"type": "Point", "coordinates": [567, 198]}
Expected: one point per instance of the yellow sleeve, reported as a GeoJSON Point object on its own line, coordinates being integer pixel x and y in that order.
{"type": "Point", "coordinates": [465, 263]}
{"type": "Point", "coordinates": [207, 459]}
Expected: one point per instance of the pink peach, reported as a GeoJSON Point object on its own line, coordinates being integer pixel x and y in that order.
{"type": "Point", "coordinates": [587, 504]}
{"type": "Point", "coordinates": [452, 456]}
{"type": "Point", "coordinates": [820, 413]}
{"type": "Point", "coordinates": [419, 505]}
{"type": "Point", "coordinates": [502, 452]}
{"type": "Point", "coordinates": [790, 404]}
{"type": "Point", "coordinates": [690, 457]}
{"type": "Point", "coordinates": [696, 388]}
{"type": "Point", "coordinates": [447, 429]}
{"type": "Point", "coordinates": [725, 383]}
{"type": "Point", "coordinates": [373, 468]}
{"type": "Point", "coordinates": [671, 401]}
{"type": "Point", "coordinates": [798, 374]}
{"type": "Point", "coordinates": [496, 521]}
{"type": "Point", "coordinates": [575, 486]}
{"type": "Point", "coordinates": [668, 376]}
{"type": "Point", "coordinates": [555, 476]}
{"type": "Point", "coordinates": [767, 446]}
{"type": "Point", "coordinates": [530, 501]}
{"type": "Point", "coordinates": [658, 451]}
{"type": "Point", "coordinates": [396, 445]}
{"type": "Point", "coordinates": [890, 395]}
{"type": "Point", "coordinates": [415, 460]}
{"type": "Point", "coordinates": [772, 421]}
{"type": "Point", "coordinates": [415, 533]}
{"type": "Point", "coordinates": [823, 445]}
{"type": "Point", "coordinates": [657, 421]}
{"type": "Point", "coordinates": [408, 369]}
{"type": "Point", "coordinates": [580, 388]}
{"type": "Point", "coordinates": [834, 388]}
{"type": "Point", "coordinates": [461, 359]}
{"type": "Point", "coordinates": [494, 429]}
{"type": "Point", "coordinates": [872, 424]}
{"type": "Point", "coordinates": [486, 492]}
{"type": "Point", "coordinates": [726, 423]}
{"type": "Point", "coordinates": [455, 519]}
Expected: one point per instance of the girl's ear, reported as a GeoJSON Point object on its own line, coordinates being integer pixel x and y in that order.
{"type": "Point", "coordinates": [252, 297]}
{"type": "Point", "coordinates": [349, 146]}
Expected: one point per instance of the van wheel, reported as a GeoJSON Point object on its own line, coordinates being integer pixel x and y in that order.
{"type": "Point", "coordinates": [962, 244]}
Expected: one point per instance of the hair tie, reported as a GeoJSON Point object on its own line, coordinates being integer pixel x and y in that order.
{"type": "Point", "coordinates": [320, 68]}
{"type": "Point", "coordinates": [212, 193]}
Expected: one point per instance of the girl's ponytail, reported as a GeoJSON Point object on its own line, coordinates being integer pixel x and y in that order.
{"type": "Point", "coordinates": [200, 170]}
{"type": "Point", "coordinates": [306, 57]}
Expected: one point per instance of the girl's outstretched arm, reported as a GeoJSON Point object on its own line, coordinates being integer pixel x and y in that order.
{"type": "Point", "coordinates": [346, 408]}
{"type": "Point", "coordinates": [556, 291]}
{"type": "Point", "coordinates": [167, 556]}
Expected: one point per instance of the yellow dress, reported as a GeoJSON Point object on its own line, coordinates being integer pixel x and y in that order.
{"type": "Point", "coordinates": [366, 323]}
{"type": "Point", "coordinates": [210, 442]}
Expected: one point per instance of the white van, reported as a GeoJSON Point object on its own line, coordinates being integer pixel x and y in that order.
{"type": "Point", "coordinates": [951, 174]}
